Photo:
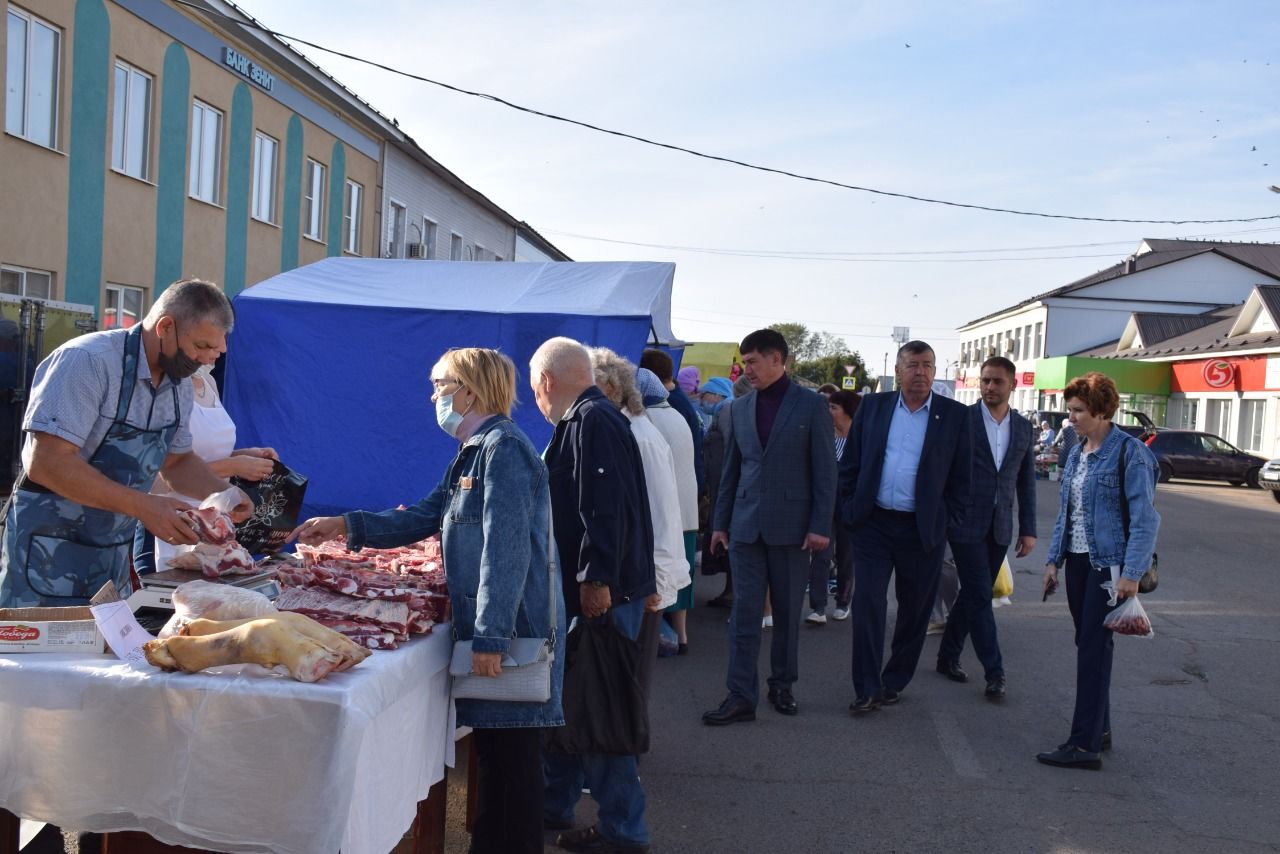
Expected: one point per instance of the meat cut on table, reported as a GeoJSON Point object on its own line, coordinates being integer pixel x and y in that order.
{"type": "Point", "coordinates": [315, 602]}
{"type": "Point", "coordinates": [217, 553]}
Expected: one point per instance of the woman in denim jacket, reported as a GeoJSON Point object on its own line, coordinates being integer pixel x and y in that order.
{"type": "Point", "coordinates": [1089, 537]}
{"type": "Point", "coordinates": [493, 511]}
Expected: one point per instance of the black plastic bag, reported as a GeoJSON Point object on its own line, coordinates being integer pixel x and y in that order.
{"type": "Point", "coordinates": [277, 503]}
{"type": "Point", "coordinates": [605, 709]}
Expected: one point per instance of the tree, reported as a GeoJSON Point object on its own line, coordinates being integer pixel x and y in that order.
{"type": "Point", "coordinates": [831, 369]}
{"type": "Point", "coordinates": [797, 337]}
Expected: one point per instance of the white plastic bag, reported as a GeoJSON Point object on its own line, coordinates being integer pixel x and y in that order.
{"type": "Point", "coordinates": [1130, 619]}
{"type": "Point", "coordinates": [197, 599]}
{"type": "Point", "coordinates": [226, 500]}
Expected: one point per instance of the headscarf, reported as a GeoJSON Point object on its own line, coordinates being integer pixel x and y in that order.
{"type": "Point", "coordinates": [687, 379]}
{"type": "Point", "coordinates": [651, 388]}
{"type": "Point", "coordinates": [720, 386]}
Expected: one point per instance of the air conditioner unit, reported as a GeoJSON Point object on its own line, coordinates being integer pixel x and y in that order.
{"type": "Point", "coordinates": [416, 250]}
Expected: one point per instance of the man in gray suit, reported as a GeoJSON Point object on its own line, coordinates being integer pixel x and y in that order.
{"type": "Point", "coordinates": [774, 510]}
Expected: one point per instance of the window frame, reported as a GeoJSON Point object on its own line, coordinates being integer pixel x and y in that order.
{"type": "Point", "coordinates": [430, 233]}
{"type": "Point", "coordinates": [313, 200]}
{"type": "Point", "coordinates": [32, 20]}
{"type": "Point", "coordinates": [455, 246]}
{"type": "Point", "coordinates": [195, 163]}
{"type": "Point", "coordinates": [121, 121]}
{"type": "Point", "coordinates": [256, 183]}
{"type": "Point", "coordinates": [25, 272]}
{"type": "Point", "coordinates": [398, 244]}
{"type": "Point", "coordinates": [120, 289]}
{"type": "Point", "coordinates": [352, 218]}
{"type": "Point", "coordinates": [1253, 417]}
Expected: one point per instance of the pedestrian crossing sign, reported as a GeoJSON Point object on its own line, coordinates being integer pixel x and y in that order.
{"type": "Point", "coordinates": [849, 384]}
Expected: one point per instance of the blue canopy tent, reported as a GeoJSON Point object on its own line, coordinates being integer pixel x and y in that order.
{"type": "Point", "coordinates": [329, 363]}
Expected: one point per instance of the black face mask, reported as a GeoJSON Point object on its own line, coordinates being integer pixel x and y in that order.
{"type": "Point", "coordinates": [179, 366]}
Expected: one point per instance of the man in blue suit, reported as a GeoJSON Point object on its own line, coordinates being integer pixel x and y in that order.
{"type": "Point", "coordinates": [773, 512]}
{"type": "Point", "coordinates": [1003, 463]}
{"type": "Point", "coordinates": [904, 477]}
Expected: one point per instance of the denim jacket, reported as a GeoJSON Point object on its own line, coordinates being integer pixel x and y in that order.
{"type": "Point", "coordinates": [1104, 526]}
{"type": "Point", "coordinates": [493, 509]}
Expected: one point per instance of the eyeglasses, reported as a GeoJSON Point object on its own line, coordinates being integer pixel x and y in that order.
{"type": "Point", "coordinates": [440, 384]}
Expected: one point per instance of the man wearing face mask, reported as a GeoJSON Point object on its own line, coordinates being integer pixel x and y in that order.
{"type": "Point", "coordinates": [109, 412]}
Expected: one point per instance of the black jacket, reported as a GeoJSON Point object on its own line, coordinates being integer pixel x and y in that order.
{"type": "Point", "coordinates": [599, 504]}
{"type": "Point", "coordinates": [992, 490]}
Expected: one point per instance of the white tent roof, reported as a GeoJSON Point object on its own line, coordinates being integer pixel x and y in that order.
{"type": "Point", "coordinates": [605, 288]}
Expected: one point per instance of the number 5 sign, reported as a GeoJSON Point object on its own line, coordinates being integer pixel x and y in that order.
{"type": "Point", "coordinates": [1219, 373]}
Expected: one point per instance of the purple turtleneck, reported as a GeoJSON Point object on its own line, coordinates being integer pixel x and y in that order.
{"type": "Point", "coordinates": [768, 402]}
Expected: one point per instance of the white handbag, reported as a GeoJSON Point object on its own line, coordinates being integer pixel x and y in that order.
{"type": "Point", "coordinates": [526, 666]}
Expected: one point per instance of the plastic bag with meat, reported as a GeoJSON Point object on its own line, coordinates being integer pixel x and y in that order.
{"type": "Point", "coordinates": [1130, 619]}
{"type": "Point", "coordinates": [210, 601]}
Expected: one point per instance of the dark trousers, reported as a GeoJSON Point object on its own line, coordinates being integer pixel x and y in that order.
{"type": "Point", "coordinates": [977, 565]}
{"type": "Point", "coordinates": [782, 571]}
{"type": "Point", "coordinates": [889, 545]}
{"type": "Point", "coordinates": [837, 553]}
{"type": "Point", "coordinates": [508, 816]}
{"type": "Point", "coordinates": [1094, 647]}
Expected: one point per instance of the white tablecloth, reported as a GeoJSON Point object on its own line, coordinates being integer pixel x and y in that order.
{"type": "Point", "coordinates": [238, 760]}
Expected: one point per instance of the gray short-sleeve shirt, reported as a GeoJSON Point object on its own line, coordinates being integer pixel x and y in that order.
{"type": "Point", "coordinates": [76, 390]}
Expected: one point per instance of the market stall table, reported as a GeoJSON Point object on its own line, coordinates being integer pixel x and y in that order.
{"type": "Point", "coordinates": [237, 759]}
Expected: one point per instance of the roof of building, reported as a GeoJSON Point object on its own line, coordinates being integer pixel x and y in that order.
{"type": "Point", "coordinates": [1154, 327]}
{"type": "Point", "coordinates": [1212, 336]}
{"type": "Point", "coordinates": [1261, 257]}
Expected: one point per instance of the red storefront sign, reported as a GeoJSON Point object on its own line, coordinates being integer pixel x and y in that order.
{"type": "Point", "coordinates": [1246, 373]}
{"type": "Point", "coordinates": [1027, 378]}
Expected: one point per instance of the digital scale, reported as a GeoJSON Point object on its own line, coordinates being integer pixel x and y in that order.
{"type": "Point", "coordinates": [158, 587]}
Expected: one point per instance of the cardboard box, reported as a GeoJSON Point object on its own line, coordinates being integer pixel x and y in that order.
{"type": "Point", "coordinates": [70, 629]}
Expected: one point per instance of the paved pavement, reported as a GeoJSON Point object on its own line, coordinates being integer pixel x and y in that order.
{"type": "Point", "coordinates": [1195, 763]}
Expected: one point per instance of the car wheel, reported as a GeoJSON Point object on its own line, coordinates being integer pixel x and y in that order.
{"type": "Point", "coordinates": [1166, 472]}
{"type": "Point", "coordinates": [1276, 495]}
{"type": "Point", "coordinates": [1236, 482]}
{"type": "Point", "coordinates": [1251, 478]}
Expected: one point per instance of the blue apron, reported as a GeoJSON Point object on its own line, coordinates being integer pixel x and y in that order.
{"type": "Point", "coordinates": [58, 552]}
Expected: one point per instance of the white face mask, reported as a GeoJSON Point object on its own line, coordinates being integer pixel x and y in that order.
{"type": "Point", "coordinates": [448, 419]}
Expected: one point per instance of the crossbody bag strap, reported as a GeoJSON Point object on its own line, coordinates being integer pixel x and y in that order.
{"type": "Point", "coordinates": [551, 574]}
{"type": "Point", "coordinates": [1124, 495]}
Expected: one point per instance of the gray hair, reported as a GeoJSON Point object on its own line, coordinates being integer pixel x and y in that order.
{"type": "Point", "coordinates": [191, 302]}
{"type": "Point", "coordinates": [619, 373]}
{"type": "Point", "coordinates": [562, 358]}
{"type": "Point", "coordinates": [741, 386]}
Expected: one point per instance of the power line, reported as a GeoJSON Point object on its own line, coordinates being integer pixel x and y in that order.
{"type": "Point", "coordinates": [714, 157]}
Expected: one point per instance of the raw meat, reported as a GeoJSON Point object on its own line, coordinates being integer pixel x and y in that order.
{"type": "Point", "coordinates": [197, 599]}
{"type": "Point", "coordinates": [1130, 619]}
{"type": "Point", "coordinates": [217, 553]}
{"type": "Point", "coordinates": [307, 652]}
{"type": "Point", "coordinates": [315, 602]}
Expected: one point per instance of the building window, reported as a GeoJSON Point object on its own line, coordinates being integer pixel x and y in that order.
{"type": "Point", "coordinates": [1040, 348]}
{"type": "Point", "coordinates": [131, 122]}
{"type": "Point", "coordinates": [22, 282]}
{"type": "Point", "coordinates": [429, 230]}
{"type": "Point", "coordinates": [351, 217]}
{"type": "Point", "coordinates": [31, 74]}
{"type": "Point", "coordinates": [206, 153]}
{"type": "Point", "coordinates": [1251, 415]}
{"type": "Point", "coordinates": [123, 307]}
{"type": "Point", "coordinates": [1187, 416]}
{"type": "Point", "coordinates": [398, 219]}
{"type": "Point", "coordinates": [1026, 341]}
{"type": "Point", "coordinates": [479, 253]}
{"type": "Point", "coordinates": [313, 201]}
{"type": "Point", "coordinates": [265, 156]}
{"type": "Point", "coordinates": [1217, 417]}
{"type": "Point", "coordinates": [498, 257]}
{"type": "Point", "coordinates": [455, 247]}
{"type": "Point", "coordinates": [468, 253]}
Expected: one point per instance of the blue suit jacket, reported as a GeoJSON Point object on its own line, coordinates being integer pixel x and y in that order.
{"type": "Point", "coordinates": [991, 494]}
{"type": "Point", "coordinates": [942, 481]}
{"type": "Point", "coordinates": [783, 491]}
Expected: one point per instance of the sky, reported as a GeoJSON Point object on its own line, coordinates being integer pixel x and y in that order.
{"type": "Point", "coordinates": [1137, 110]}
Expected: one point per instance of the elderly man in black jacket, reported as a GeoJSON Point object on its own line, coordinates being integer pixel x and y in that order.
{"type": "Point", "coordinates": [604, 534]}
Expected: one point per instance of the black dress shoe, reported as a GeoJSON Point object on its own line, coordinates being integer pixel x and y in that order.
{"type": "Point", "coordinates": [783, 702]}
{"type": "Point", "coordinates": [588, 839]}
{"type": "Point", "coordinates": [995, 689]}
{"type": "Point", "coordinates": [1106, 742]}
{"type": "Point", "coordinates": [1071, 757]}
{"type": "Point", "coordinates": [731, 711]}
{"type": "Point", "coordinates": [890, 696]}
{"type": "Point", "coordinates": [952, 670]}
{"type": "Point", "coordinates": [862, 705]}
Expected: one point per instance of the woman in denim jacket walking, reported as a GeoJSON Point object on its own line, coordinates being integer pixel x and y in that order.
{"type": "Point", "coordinates": [493, 510]}
{"type": "Point", "coordinates": [1099, 554]}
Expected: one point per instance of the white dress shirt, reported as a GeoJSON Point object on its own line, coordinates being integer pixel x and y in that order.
{"type": "Point", "coordinates": [997, 434]}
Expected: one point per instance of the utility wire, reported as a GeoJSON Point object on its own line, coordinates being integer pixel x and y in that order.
{"type": "Point", "coordinates": [715, 157]}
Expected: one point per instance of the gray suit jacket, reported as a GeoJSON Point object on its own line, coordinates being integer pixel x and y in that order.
{"type": "Point", "coordinates": [784, 491]}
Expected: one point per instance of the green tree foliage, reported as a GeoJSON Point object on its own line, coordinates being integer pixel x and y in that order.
{"type": "Point", "coordinates": [830, 369]}
{"type": "Point", "coordinates": [820, 357]}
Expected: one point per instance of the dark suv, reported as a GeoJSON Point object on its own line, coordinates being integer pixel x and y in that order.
{"type": "Point", "coordinates": [1203, 456]}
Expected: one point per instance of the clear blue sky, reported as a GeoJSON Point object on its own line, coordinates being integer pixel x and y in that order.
{"type": "Point", "coordinates": [1138, 109]}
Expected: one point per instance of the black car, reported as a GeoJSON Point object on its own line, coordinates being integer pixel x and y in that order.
{"type": "Point", "coordinates": [1203, 456]}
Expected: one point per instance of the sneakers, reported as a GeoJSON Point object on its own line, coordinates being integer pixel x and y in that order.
{"type": "Point", "coordinates": [816, 618]}
{"type": "Point", "coordinates": [767, 622]}
{"type": "Point", "coordinates": [840, 614]}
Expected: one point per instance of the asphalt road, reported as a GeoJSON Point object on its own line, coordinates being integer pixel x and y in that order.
{"type": "Point", "coordinates": [1196, 762]}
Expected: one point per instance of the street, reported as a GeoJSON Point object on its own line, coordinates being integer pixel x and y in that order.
{"type": "Point", "coordinates": [1193, 767]}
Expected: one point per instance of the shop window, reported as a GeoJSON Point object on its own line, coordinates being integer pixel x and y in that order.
{"type": "Point", "coordinates": [352, 198]}
{"type": "Point", "coordinates": [1187, 417]}
{"type": "Point", "coordinates": [1252, 413]}
{"type": "Point", "coordinates": [24, 282]}
{"type": "Point", "coordinates": [266, 156]}
{"type": "Point", "coordinates": [32, 63]}
{"type": "Point", "coordinates": [123, 307]}
{"type": "Point", "coordinates": [313, 201]}
{"type": "Point", "coordinates": [131, 122]}
{"type": "Point", "coordinates": [206, 153]}
{"type": "Point", "coordinates": [1217, 417]}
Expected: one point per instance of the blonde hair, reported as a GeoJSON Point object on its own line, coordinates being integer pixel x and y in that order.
{"type": "Point", "coordinates": [619, 374]}
{"type": "Point", "coordinates": [490, 376]}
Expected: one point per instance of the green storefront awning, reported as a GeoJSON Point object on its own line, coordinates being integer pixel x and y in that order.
{"type": "Point", "coordinates": [1130, 377]}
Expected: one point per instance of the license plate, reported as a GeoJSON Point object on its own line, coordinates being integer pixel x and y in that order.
{"type": "Point", "coordinates": [1271, 475]}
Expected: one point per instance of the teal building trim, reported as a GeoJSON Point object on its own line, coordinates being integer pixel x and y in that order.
{"type": "Point", "coordinates": [171, 176]}
{"type": "Point", "coordinates": [87, 150]}
{"type": "Point", "coordinates": [291, 231]}
{"type": "Point", "coordinates": [239, 164]}
{"type": "Point", "coordinates": [337, 187]}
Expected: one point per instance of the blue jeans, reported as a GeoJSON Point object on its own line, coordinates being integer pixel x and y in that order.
{"type": "Point", "coordinates": [613, 780]}
{"type": "Point", "coordinates": [977, 564]}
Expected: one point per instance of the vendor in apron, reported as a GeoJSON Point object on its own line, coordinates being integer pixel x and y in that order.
{"type": "Point", "coordinates": [108, 412]}
{"type": "Point", "coordinates": [213, 439]}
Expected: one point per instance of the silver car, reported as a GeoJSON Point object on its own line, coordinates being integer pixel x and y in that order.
{"type": "Point", "coordinates": [1269, 478]}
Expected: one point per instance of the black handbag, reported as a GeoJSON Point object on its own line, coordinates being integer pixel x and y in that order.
{"type": "Point", "coordinates": [1151, 578]}
{"type": "Point", "coordinates": [605, 709]}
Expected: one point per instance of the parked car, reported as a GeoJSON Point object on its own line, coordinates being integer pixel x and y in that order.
{"type": "Point", "coordinates": [1143, 429]}
{"type": "Point", "coordinates": [1269, 478]}
{"type": "Point", "coordinates": [1204, 456]}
